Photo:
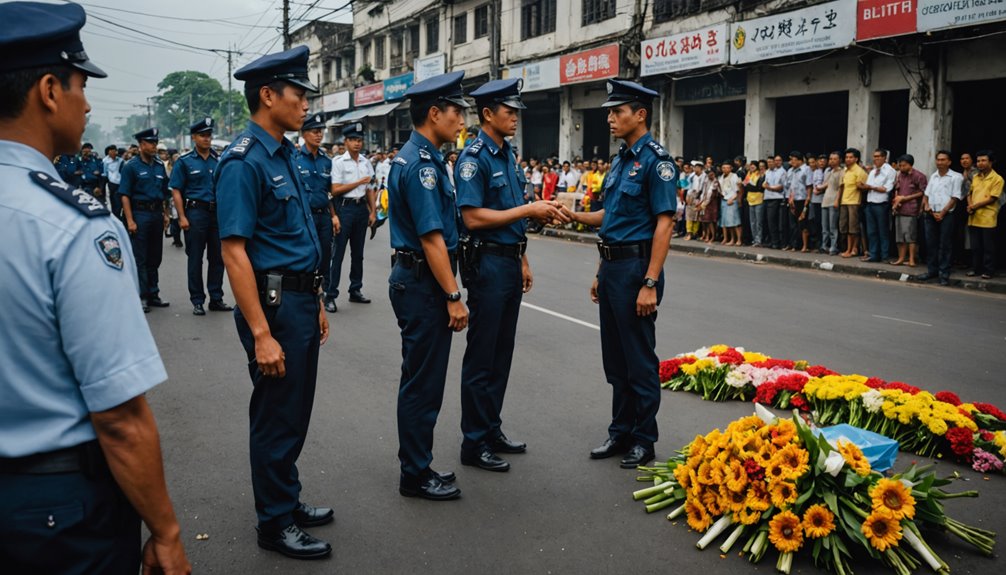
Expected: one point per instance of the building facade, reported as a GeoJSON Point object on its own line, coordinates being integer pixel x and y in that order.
{"type": "Point", "coordinates": [330, 66]}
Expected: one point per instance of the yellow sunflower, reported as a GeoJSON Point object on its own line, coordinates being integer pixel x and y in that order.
{"type": "Point", "coordinates": [747, 516]}
{"type": "Point", "coordinates": [744, 424]}
{"type": "Point", "coordinates": [698, 517]}
{"type": "Point", "coordinates": [882, 529]}
{"type": "Point", "coordinates": [736, 476]}
{"type": "Point", "coordinates": [705, 473]}
{"type": "Point", "coordinates": [818, 521]}
{"type": "Point", "coordinates": [758, 497]}
{"type": "Point", "coordinates": [894, 497]}
{"type": "Point", "coordinates": [854, 457]}
{"type": "Point", "coordinates": [734, 501]}
{"type": "Point", "coordinates": [784, 532]}
{"type": "Point", "coordinates": [783, 493]}
{"type": "Point", "coordinates": [711, 501]}
{"type": "Point", "coordinates": [783, 432]}
{"type": "Point", "coordinates": [795, 459]}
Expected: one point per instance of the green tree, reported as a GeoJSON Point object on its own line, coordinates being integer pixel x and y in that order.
{"type": "Point", "coordinates": [184, 97]}
{"type": "Point", "coordinates": [133, 124]}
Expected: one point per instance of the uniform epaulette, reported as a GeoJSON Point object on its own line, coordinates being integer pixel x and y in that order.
{"type": "Point", "coordinates": [240, 147]}
{"type": "Point", "coordinates": [400, 160]}
{"type": "Point", "coordinates": [423, 155]}
{"type": "Point", "coordinates": [658, 149]}
{"type": "Point", "coordinates": [158, 160]}
{"type": "Point", "coordinates": [84, 202]}
{"type": "Point", "coordinates": [476, 147]}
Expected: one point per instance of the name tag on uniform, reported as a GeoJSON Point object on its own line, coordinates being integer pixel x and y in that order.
{"type": "Point", "coordinates": [495, 174]}
{"type": "Point", "coordinates": [194, 172]}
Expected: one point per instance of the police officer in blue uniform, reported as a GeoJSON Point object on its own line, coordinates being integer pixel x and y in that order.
{"type": "Point", "coordinates": [316, 171]}
{"type": "Point", "coordinates": [191, 186]}
{"type": "Point", "coordinates": [636, 220]}
{"type": "Point", "coordinates": [422, 286]}
{"type": "Point", "coordinates": [144, 189]}
{"type": "Point", "coordinates": [80, 462]}
{"type": "Point", "coordinates": [90, 171]}
{"type": "Point", "coordinates": [272, 254]}
{"type": "Point", "coordinates": [490, 191]}
{"type": "Point", "coordinates": [68, 168]}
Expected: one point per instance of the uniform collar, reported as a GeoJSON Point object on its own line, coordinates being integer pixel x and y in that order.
{"type": "Point", "coordinates": [638, 146]}
{"type": "Point", "coordinates": [18, 154]}
{"type": "Point", "coordinates": [421, 141]}
{"type": "Point", "coordinates": [490, 144]}
{"type": "Point", "coordinates": [269, 142]}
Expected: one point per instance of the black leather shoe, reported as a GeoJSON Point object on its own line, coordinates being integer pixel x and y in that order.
{"type": "Point", "coordinates": [357, 297]}
{"type": "Point", "coordinates": [307, 516]}
{"type": "Point", "coordinates": [330, 306]}
{"type": "Point", "coordinates": [637, 456]}
{"type": "Point", "coordinates": [503, 444]}
{"type": "Point", "coordinates": [197, 309]}
{"type": "Point", "coordinates": [157, 302]}
{"type": "Point", "coordinates": [611, 446]}
{"type": "Point", "coordinates": [924, 277]}
{"type": "Point", "coordinates": [944, 282]}
{"type": "Point", "coordinates": [294, 542]}
{"type": "Point", "coordinates": [485, 459]}
{"type": "Point", "coordinates": [428, 486]}
{"type": "Point", "coordinates": [143, 304]}
{"type": "Point", "coordinates": [446, 477]}
{"type": "Point", "coordinates": [220, 306]}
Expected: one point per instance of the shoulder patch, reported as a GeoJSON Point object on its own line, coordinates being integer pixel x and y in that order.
{"type": "Point", "coordinates": [401, 160]}
{"type": "Point", "coordinates": [476, 147]}
{"type": "Point", "coordinates": [658, 149]}
{"type": "Point", "coordinates": [83, 201]}
{"type": "Point", "coordinates": [467, 170]}
{"type": "Point", "coordinates": [110, 249]}
{"type": "Point", "coordinates": [428, 178]}
{"type": "Point", "coordinates": [423, 154]}
{"type": "Point", "coordinates": [666, 171]}
{"type": "Point", "coordinates": [240, 147]}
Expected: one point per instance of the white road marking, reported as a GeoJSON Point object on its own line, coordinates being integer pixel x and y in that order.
{"type": "Point", "coordinates": [903, 320]}
{"type": "Point", "coordinates": [561, 316]}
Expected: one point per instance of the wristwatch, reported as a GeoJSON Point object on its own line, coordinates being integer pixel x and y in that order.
{"type": "Point", "coordinates": [456, 296]}
{"type": "Point", "coordinates": [650, 283]}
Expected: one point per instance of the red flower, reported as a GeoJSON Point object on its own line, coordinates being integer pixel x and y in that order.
{"type": "Point", "coordinates": [731, 356]}
{"type": "Point", "coordinates": [791, 382]}
{"type": "Point", "coordinates": [986, 435]}
{"type": "Point", "coordinates": [965, 413]}
{"type": "Point", "coordinates": [948, 397]}
{"type": "Point", "coordinates": [875, 383]}
{"type": "Point", "coordinates": [765, 393]}
{"type": "Point", "coordinates": [798, 401]}
{"type": "Point", "coordinates": [902, 386]}
{"type": "Point", "coordinates": [670, 367]}
{"type": "Point", "coordinates": [755, 472]}
{"type": "Point", "coordinates": [989, 409]}
{"type": "Point", "coordinates": [770, 363]}
{"type": "Point", "coordinates": [819, 371]}
{"type": "Point", "coordinates": [961, 440]}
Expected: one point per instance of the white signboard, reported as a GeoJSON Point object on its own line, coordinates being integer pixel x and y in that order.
{"type": "Point", "coordinates": [936, 14]}
{"type": "Point", "coordinates": [428, 67]}
{"type": "Point", "coordinates": [686, 51]}
{"type": "Point", "coordinates": [541, 75]}
{"type": "Point", "coordinates": [822, 27]}
{"type": "Point", "coordinates": [335, 102]}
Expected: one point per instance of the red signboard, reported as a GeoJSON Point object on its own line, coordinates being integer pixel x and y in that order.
{"type": "Point", "coordinates": [369, 94]}
{"type": "Point", "coordinates": [884, 18]}
{"type": "Point", "coordinates": [597, 64]}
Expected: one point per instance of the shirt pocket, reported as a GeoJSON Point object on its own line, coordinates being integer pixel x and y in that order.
{"type": "Point", "coordinates": [502, 196]}
{"type": "Point", "coordinates": [630, 199]}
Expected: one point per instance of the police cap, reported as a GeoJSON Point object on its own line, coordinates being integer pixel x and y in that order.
{"type": "Point", "coordinates": [445, 87]}
{"type": "Point", "coordinates": [313, 122]}
{"type": "Point", "coordinates": [623, 91]}
{"type": "Point", "coordinates": [148, 135]}
{"type": "Point", "coordinates": [288, 66]}
{"type": "Point", "coordinates": [34, 35]}
{"type": "Point", "coordinates": [204, 125]}
{"type": "Point", "coordinates": [354, 130]}
{"type": "Point", "coordinates": [506, 92]}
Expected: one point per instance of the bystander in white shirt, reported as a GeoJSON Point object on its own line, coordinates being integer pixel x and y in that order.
{"type": "Point", "coordinates": [940, 189]}
{"type": "Point", "coordinates": [346, 171]}
{"type": "Point", "coordinates": [882, 177]}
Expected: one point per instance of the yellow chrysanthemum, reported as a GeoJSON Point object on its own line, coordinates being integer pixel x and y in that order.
{"type": "Point", "coordinates": [895, 497]}
{"type": "Point", "coordinates": [818, 521]}
{"type": "Point", "coordinates": [968, 407]}
{"type": "Point", "coordinates": [854, 457]}
{"type": "Point", "coordinates": [784, 532]}
{"type": "Point", "coordinates": [783, 493]}
{"type": "Point", "coordinates": [718, 348]}
{"type": "Point", "coordinates": [882, 530]}
{"type": "Point", "coordinates": [1000, 441]}
{"type": "Point", "coordinates": [698, 518]}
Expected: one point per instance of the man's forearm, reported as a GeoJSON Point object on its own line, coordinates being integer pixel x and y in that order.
{"type": "Point", "coordinates": [176, 197]}
{"type": "Point", "coordinates": [127, 207]}
{"type": "Point", "coordinates": [486, 218]}
{"type": "Point", "coordinates": [661, 245]}
{"type": "Point", "coordinates": [592, 219]}
{"type": "Point", "coordinates": [340, 189]}
{"type": "Point", "coordinates": [439, 261]}
{"type": "Point", "coordinates": [243, 285]}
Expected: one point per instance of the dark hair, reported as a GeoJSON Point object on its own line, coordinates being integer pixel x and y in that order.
{"type": "Point", "coordinates": [109, 148]}
{"type": "Point", "coordinates": [743, 160]}
{"type": "Point", "coordinates": [796, 154]}
{"type": "Point", "coordinates": [419, 111]}
{"type": "Point", "coordinates": [493, 106]}
{"type": "Point", "coordinates": [882, 151]}
{"type": "Point", "coordinates": [252, 93]}
{"type": "Point", "coordinates": [679, 159]}
{"type": "Point", "coordinates": [944, 153]}
{"type": "Point", "coordinates": [635, 106]}
{"type": "Point", "coordinates": [14, 87]}
{"type": "Point", "coordinates": [987, 153]}
{"type": "Point", "coordinates": [836, 153]}
{"type": "Point", "coordinates": [87, 145]}
{"type": "Point", "coordinates": [854, 152]}
{"type": "Point", "coordinates": [968, 154]}
{"type": "Point", "coordinates": [566, 163]}
{"type": "Point", "coordinates": [908, 158]}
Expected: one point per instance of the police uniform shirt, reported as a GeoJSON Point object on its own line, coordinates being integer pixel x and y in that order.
{"type": "Point", "coordinates": [641, 184]}
{"type": "Point", "coordinates": [316, 173]}
{"type": "Point", "coordinates": [420, 196]}
{"type": "Point", "coordinates": [144, 182]}
{"type": "Point", "coordinates": [346, 171]}
{"type": "Point", "coordinates": [67, 166]}
{"type": "Point", "coordinates": [193, 176]}
{"type": "Point", "coordinates": [486, 176]}
{"type": "Point", "coordinates": [91, 168]}
{"type": "Point", "coordinates": [65, 352]}
{"type": "Point", "coordinates": [260, 198]}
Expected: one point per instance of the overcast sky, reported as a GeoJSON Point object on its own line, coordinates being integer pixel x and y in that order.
{"type": "Point", "coordinates": [137, 60]}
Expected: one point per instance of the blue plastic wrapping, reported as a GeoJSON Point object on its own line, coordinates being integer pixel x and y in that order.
{"type": "Point", "coordinates": [880, 450]}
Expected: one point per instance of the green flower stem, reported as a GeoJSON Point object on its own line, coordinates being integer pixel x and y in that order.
{"type": "Point", "coordinates": [651, 491]}
{"type": "Point", "coordinates": [661, 505]}
{"type": "Point", "coordinates": [734, 536]}
{"type": "Point", "coordinates": [676, 513]}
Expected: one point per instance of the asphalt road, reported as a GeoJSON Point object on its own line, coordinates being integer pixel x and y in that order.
{"type": "Point", "coordinates": [556, 511]}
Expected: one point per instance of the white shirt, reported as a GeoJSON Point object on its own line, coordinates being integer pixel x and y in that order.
{"type": "Point", "coordinates": [346, 171]}
{"type": "Point", "coordinates": [940, 189]}
{"type": "Point", "coordinates": [382, 171]}
{"type": "Point", "coordinates": [568, 180]}
{"type": "Point", "coordinates": [882, 177]}
{"type": "Point", "coordinates": [728, 186]}
{"type": "Point", "coordinates": [111, 168]}
{"type": "Point", "coordinates": [775, 177]}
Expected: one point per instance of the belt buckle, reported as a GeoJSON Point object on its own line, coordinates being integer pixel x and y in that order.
{"type": "Point", "coordinates": [316, 283]}
{"type": "Point", "coordinates": [606, 252]}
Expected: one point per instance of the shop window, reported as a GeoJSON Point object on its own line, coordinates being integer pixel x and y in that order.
{"type": "Point", "coordinates": [461, 28]}
{"type": "Point", "coordinates": [595, 11]}
{"type": "Point", "coordinates": [338, 68]}
{"type": "Point", "coordinates": [379, 53]}
{"type": "Point", "coordinates": [482, 21]}
{"type": "Point", "coordinates": [432, 34]}
{"type": "Point", "coordinates": [665, 10]}
{"type": "Point", "coordinates": [413, 51]}
{"type": "Point", "coordinates": [537, 17]}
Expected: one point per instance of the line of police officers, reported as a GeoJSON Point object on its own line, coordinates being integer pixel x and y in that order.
{"type": "Point", "coordinates": [271, 223]}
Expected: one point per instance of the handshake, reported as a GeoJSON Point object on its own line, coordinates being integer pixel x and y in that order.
{"type": "Point", "coordinates": [549, 212]}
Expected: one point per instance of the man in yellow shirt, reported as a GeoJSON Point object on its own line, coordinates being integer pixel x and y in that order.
{"type": "Point", "coordinates": [983, 213]}
{"type": "Point", "coordinates": [848, 215]}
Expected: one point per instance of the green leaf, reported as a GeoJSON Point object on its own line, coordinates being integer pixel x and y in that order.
{"type": "Point", "coordinates": [831, 500]}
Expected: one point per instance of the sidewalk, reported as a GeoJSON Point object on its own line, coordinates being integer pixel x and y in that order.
{"type": "Point", "coordinates": [814, 261]}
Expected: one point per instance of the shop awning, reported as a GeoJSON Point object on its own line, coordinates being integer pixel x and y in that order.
{"type": "Point", "coordinates": [368, 112]}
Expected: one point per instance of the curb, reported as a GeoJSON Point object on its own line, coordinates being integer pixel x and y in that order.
{"type": "Point", "coordinates": [777, 257]}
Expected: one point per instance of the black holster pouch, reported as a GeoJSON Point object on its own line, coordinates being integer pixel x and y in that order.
{"type": "Point", "coordinates": [468, 259]}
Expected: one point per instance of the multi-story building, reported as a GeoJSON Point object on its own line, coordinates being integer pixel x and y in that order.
{"type": "Point", "coordinates": [330, 65]}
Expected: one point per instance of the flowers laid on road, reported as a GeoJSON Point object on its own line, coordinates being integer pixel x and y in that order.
{"type": "Point", "coordinates": [775, 484]}
{"type": "Point", "coordinates": [931, 425]}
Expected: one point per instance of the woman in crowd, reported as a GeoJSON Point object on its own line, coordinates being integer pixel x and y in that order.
{"type": "Point", "coordinates": [730, 205]}
{"type": "Point", "coordinates": [753, 181]}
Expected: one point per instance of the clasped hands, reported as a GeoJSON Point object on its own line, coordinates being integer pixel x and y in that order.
{"type": "Point", "coordinates": [549, 212]}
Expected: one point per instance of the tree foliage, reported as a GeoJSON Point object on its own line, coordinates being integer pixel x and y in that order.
{"type": "Point", "coordinates": [187, 96]}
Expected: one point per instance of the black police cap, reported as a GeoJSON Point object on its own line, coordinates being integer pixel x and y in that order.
{"type": "Point", "coordinates": [445, 87]}
{"type": "Point", "coordinates": [289, 66]}
{"type": "Point", "coordinates": [313, 122]}
{"type": "Point", "coordinates": [354, 130]}
{"type": "Point", "coordinates": [623, 91]}
{"type": "Point", "coordinates": [505, 92]}
{"type": "Point", "coordinates": [34, 35]}
{"type": "Point", "coordinates": [148, 135]}
{"type": "Point", "coordinates": [204, 125]}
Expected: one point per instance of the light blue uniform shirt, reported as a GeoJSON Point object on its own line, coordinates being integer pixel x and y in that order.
{"type": "Point", "coordinates": [73, 338]}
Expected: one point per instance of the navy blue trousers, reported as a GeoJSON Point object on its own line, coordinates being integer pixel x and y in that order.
{"type": "Point", "coordinates": [939, 244]}
{"type": "Point", "coordinates": [202, 236]}
{"type": "Point", "coordinates": [628, 351]}
{"type": "Point", "coordinates": [280, 408]}
{"type": "Point", "coordinates": [494, 298]}
{"type": "Point", "coordinates": [148, 249]}
{"type": "Point", "coordinates": [323, 223]}
{"type": "Point", "coordinates": [878, 230]}
{"type": "Point", "coordinates": [421, 310]}
{"type": "Point", "coordinates": [67, 523]}
{"type": "Point", "coordinates": [353, 221]}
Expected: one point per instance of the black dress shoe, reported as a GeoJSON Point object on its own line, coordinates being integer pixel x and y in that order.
{"type": "Point", "coordinates": [157, 302]}
{"type": "Point", "coordinates": [924, 277]}
{"type": "Point", "coordinates": [330, 306]}
{"type": "Point", "coordinates": [197, 309]}
{"type": "Point", "coordinates": [485, 459]}
{"type": "Point", "coordinates": [307, 516]}
{"type": "Point", "coordinates": [357, 297]}
{"type": "Point", "coordinates": [637, 456]}
{"type": "Point", "coordinates": [428, 486]}
{"type": "Point", "coordinates": [944, 282]}
{"type": "Point", "coordinates": [611, 446]}
{"type": "Point", "coordinates": [446, 477]}
{"type": "Point", "coordinates": [220, 306]}
{"type": "Point", "coordinates": [143, 304]}
{"type": "Point", "coordinates": [294, 542]}
{"type": "Point", "coordinates": [503, 444]}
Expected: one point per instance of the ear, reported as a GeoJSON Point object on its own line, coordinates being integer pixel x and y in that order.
{"type": "Point", "coordinates": [49, 91]}
{"type": "Point", "coordinates": [265, 96]}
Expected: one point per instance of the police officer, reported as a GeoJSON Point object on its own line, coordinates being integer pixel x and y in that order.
{"type": "Point", "coordinates": [353, 196]}
{"type": "Point", "coordinates": [68, 168]}
{"type": "Point", "coordinates": [316, 172]}
{"type": "Point", "coordinates": [191, 186]}
{"type": "Point", "coordinates": [90, 171]}
{"type": "Point", "coordinates": [491, 198]}
{"type": "Point", "coordinates": [272, 254]}
{"type": "Point", "coordinates": [143, 188]}
{"type": "Point", "coordinates": [80, 462]}
{"type": "Point", "coordinates": [636, 221]}
{"type": "Point", "coordinates": [422, 286]}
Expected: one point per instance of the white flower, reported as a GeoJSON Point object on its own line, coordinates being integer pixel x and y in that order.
{"type": "Point", "coordinates": [701, 352]}
{"type": "Point", "coordinates": [872, 400]}
{"type": "Point", "coordinates": [735, 378]}
{"type": "Point", "coordinates": [833, 463]}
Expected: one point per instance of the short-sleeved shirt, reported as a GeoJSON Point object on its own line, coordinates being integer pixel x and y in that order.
{"type": "Point", "coordinates": [67, 166]}
{"type": "Point", "coordinates": [984, 187]}
{"type": "Point", "coordinates": [833, 181]}
{"type": "Point", "coordinates": [728, 186]}
{"type": "Point", "coordinates": [346, 170]}
{"type": "Point", "coordinates": [797, 181]}
{"type": "Point", "coordinates": [65, 352]}
{"type": "Point", "coordinates": [775, 177]}
{"type": "Point", "coordinates": [381, 171]}
{"type": "Point", "coordinates": [641, 184]}
{"type": "Point", "coordinates": [568, 180]}
{"type": "Point", "coordinates": [882, 177]}
{"type": "Point", "coordinates": [941, 189]}
{"type": "Point", "coordinates": [193, 176]}
{"type": "Point", "coordinates": [261, 198]}
{"type": "Point", "coordinates": [90, 168]}
{"type": "Point", "coordinates": [110, 168]}
{"type": "Point", "coordinates": [420, 196]}
{"type": "Point", "coordinates": [851, 194]}
{"type": "Point", "coordinates": [817, 181]}
{"type": "Point", "coordinates": [144, 182]}
{"type": "Point", "coordinates": [316, 173]}
{"type": "Point", "coordinates": [909, 184]}
{"type": "Point", "coordinates": [486, 177]}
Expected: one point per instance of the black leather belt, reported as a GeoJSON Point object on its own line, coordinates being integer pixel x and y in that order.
{"type": "Point", "coordinates": [504, 250]}
{"type": "Point", "coordinates": [200, 205]}
{"type": "Point", "coordinates": [81, 457]}
{"type": "Point", "coordinates": [409, 260]}
{"type": "Point", "coordinates": [612, 252]}
{"type": "Point", "coordinates": [352, 201]}
{"type": "Point", "coordinates": [151, 206]}
{"type": "Point", "coordinates": [308, 282]}
{"type": "Point", "coordinates": [319, 210]}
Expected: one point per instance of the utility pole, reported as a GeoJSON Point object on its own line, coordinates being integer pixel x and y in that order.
{"type": "Point", "coordinates": [495, 39]}
{"type": "Point", "coordinates": [230, 100]}
{"type": "Point", "coordinates": [286, 24]}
